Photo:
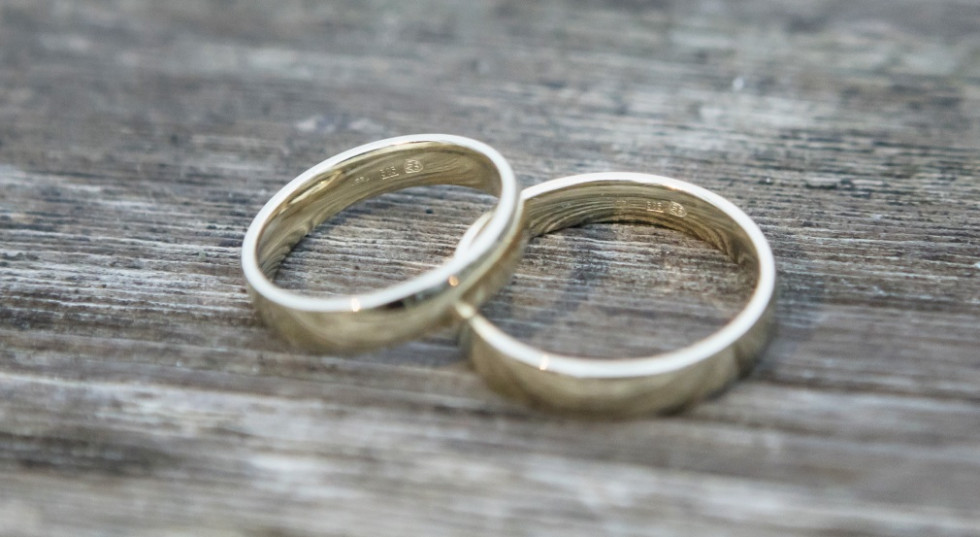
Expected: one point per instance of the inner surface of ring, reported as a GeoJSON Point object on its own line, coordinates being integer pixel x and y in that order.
{"type": "Point", "coordinates": [329, 191]}
{"type": "Point", "coordinates": [625, 201]}
{"type": "Point", "coordinates": [628, 201]}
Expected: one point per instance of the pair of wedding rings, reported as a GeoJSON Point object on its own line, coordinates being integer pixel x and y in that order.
{"type": "Point", "coordinates": [486, 258]}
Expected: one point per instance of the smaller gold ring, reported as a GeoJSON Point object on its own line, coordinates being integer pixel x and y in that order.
{"type": "Point", "coordinates": [402, 311]}
{"type": "Point", "coordinates": [660, 383]}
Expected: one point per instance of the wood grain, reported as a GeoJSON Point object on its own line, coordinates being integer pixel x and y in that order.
{"type": "Point", "coordinates": [141, 396]}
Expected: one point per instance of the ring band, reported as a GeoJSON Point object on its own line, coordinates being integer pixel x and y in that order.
{"type": "Point", "coordinates": [664, 382]}
{"type": "Point", "coordinates": [402, 311]}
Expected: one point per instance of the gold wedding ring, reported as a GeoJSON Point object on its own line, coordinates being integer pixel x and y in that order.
{"type": "Point", "coordinates": [402, 311]}
{"type": "Point", "coordinates": [664, 382]}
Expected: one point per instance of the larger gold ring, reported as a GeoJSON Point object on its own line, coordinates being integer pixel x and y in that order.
{"type": "Point", "coordinates": [663, 382]}
{"type": "Point", "coordinates": [402, 311]}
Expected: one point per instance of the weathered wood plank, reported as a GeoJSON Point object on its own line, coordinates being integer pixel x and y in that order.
{"type": "Point", "coordinates": [139, 395]}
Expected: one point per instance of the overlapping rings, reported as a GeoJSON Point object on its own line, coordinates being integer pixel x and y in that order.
{"type": "Point", "coordinates": [484, 261]}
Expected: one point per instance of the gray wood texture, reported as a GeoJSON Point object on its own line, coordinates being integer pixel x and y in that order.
{"type": "Point", "coordinates": [142, 397]}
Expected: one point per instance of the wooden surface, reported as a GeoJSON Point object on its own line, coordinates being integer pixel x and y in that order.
{"type": "Point", "coordinates": [141, 396]}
